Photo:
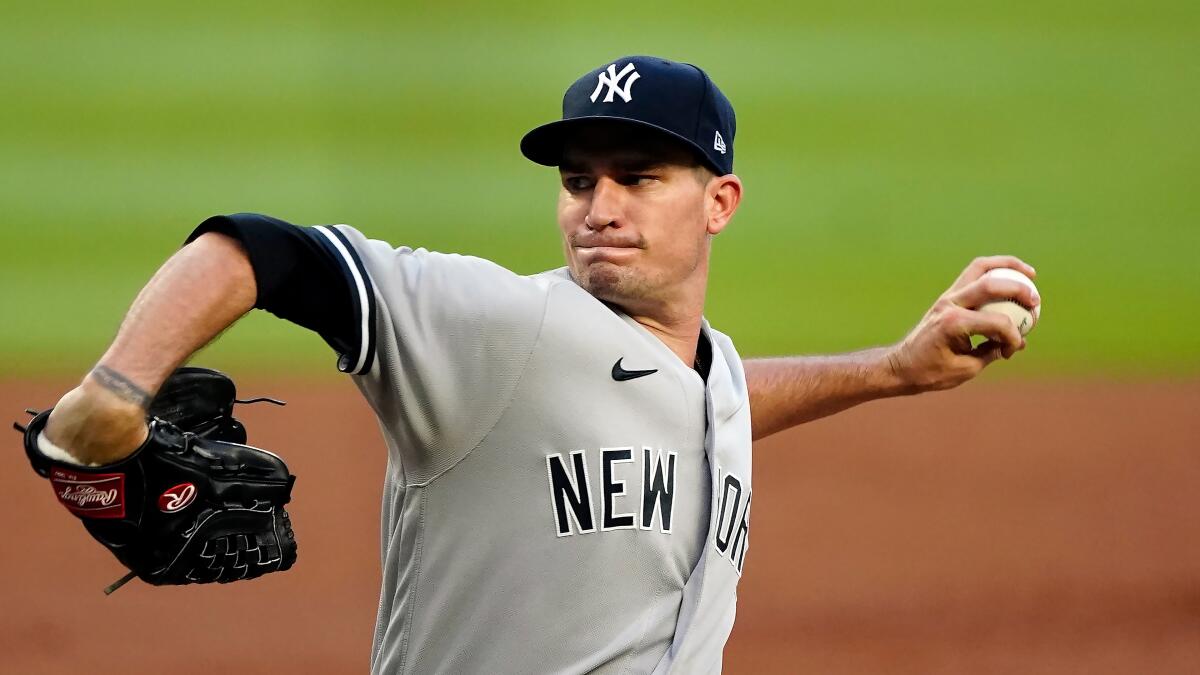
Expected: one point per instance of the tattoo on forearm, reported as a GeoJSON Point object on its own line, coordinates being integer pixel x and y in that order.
{"type": "Point", "coordinates": [121, 386]}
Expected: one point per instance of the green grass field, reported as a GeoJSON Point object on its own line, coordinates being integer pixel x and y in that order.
{"type": "Point", "coordinates": [881, 149]}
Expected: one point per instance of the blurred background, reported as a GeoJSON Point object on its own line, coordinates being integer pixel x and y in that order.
{"type": "Point", "coordinates": [1042, 519]}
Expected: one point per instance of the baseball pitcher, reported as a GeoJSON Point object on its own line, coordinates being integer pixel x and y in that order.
{"type": "Point", "coordinates": [569, 484]}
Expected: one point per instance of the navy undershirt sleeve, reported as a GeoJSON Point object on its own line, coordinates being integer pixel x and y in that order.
{"type": "Point", "coordinates": [299, 277]}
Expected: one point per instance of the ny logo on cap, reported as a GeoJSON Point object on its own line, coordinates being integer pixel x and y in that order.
{"type": "Point", "coordinates": [612, 78]}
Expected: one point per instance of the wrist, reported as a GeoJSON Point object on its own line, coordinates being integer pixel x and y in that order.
{"type": "Point", "coordinates": [894, 372]}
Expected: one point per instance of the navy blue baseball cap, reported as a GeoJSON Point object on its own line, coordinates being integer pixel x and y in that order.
{"type": "Point", "coordinates": [677, 99]}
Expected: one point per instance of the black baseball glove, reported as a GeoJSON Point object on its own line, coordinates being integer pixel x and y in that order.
{"type": "Point", "coordinates": [192, 504]}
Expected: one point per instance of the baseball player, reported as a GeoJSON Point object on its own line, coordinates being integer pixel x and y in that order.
{"type": "Point", "coordinates": [569, 486]}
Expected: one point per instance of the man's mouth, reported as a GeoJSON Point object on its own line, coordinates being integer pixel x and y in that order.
{"type": "Point", "coordinates": [598, 247]}
{"type": "Point", "coordinates": [601, 252]}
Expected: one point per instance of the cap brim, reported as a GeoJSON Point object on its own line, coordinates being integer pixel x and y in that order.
{"type": "Point", "coordinates": [544, 145]}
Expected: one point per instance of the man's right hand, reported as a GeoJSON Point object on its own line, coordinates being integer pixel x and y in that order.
{"type": "Point", "coordinates": [95, 424]}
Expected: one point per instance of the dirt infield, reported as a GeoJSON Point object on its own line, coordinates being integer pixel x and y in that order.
{"type": "Point", "coordinates": [1034, 528]}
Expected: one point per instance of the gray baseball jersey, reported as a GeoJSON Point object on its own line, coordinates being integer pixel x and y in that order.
{"type": "Point", "coordinates": [563, 494]}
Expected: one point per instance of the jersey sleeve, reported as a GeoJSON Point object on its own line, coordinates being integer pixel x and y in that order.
{"type": "Point", "coordinates": [436, 342]}
{"type": "Point", "coordinates": [310, 276]}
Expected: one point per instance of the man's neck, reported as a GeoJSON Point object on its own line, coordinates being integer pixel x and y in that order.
{"type": "Point", "coordinates": [676, 321]}
{"type": "Point", "coordinates": [680, 337]}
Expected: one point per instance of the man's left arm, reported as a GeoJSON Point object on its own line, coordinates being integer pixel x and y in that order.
{"type": "Point", "coordinates": [936, 354]}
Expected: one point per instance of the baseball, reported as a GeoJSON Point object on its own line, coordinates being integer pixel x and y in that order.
{"type": "Point", "coordinates": [1020, 315]}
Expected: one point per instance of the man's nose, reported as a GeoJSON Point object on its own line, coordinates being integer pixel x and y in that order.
{"type": "Point", "coordinates": [605, 208]}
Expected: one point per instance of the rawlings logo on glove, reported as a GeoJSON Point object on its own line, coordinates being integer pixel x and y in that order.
{"type": "Point", "coordinates": [193, 504]}
{"type": "Point", "coordinates": [177, 498]}
{"type": "Point", "coordinates": [99, 495]}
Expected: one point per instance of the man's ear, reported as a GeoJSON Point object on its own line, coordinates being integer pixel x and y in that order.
{"type": "Point", "coordinates": [722, 196]}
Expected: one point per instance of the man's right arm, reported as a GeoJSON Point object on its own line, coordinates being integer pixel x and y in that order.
{"type": "Point", "coordinates": [200, 291]}
{"type": "Point", "coordinates": [229, 265]}
{"type": "Point", "coordinates": [462, 327]}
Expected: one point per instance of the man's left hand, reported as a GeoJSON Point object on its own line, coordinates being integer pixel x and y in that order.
{"type": "Point", "coordinates": [937, 353]}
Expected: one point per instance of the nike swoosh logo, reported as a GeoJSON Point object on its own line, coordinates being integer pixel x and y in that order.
{"type": "Point", "coordinates": [621, 375]}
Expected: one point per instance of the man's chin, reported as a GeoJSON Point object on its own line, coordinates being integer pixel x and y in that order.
{"type": "Point", "coordinates": [607, 281]}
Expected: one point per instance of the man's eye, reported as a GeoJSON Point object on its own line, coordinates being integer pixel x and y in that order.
{"type": "Point", "coordinates": [577, 183]}
{"type": "Point", "coordinates": [637, 179]}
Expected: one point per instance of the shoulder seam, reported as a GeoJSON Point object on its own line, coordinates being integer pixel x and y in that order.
{"type": "Point", "coordinates": [507, 404]}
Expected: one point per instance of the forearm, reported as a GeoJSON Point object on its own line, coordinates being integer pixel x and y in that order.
{"type": "Point", "coordinates": [788, 391]}
{"type": "Point", "coordinates": [202, 290]}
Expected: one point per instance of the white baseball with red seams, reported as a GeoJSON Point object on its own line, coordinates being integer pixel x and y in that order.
{"type": "Point", "coordinates": [1022, 317]}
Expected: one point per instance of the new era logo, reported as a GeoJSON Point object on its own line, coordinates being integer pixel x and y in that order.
{"type": "Point", "coordinates": [719, 143]}
{"type": "Point", "coordinates": [612, 78]}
